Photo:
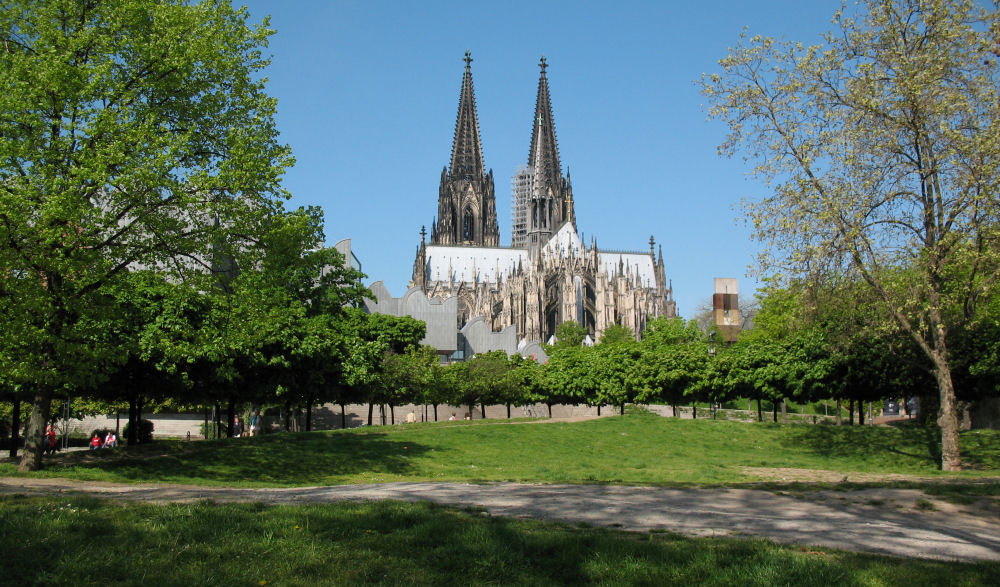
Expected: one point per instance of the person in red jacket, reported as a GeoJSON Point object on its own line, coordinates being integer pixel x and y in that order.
{"type": "Point", "coordinates": [95, 442]}
{"type": "Point", "coordinates": [50, 439]}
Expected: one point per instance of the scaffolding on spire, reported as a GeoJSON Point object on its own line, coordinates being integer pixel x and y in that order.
{"type": "Point", "coordinates": [521, 187]}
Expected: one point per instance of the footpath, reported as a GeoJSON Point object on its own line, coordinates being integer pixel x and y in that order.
{"type": "Point", "coordinates": [884, 521]}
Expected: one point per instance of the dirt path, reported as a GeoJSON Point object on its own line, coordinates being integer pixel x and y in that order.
{"type": "Point", "coordinates": [901, 522]}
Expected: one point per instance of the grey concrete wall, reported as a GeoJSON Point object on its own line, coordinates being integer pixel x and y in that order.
{"type": "Point", "coordinates": [440, 316]}
{"type": "Point", "coordinates": [480, 339]}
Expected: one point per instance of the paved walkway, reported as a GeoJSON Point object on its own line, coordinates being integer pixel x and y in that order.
{"type": "Point", "coordinates": [878, 521]}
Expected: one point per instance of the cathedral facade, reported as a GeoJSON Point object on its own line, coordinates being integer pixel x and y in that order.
{"type": "Point", "coordinates": [547, 275]}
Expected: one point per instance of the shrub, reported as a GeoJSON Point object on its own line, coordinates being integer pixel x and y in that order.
{"type": "Point", "coordinates": [145, 431]}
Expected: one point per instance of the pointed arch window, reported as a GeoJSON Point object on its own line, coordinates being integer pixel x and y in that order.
{"type": "Point", "coordinates": [468, 225]}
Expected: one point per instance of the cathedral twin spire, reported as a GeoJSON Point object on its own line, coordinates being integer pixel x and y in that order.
{"type": "Point", "coordinates": [551, 198]}
{"type": "Point", "coordinates": [467, 211]}
{"type": "Point", "coordinates": [467, 148]}
{"type": "Point", "coordinates": [466, 199]}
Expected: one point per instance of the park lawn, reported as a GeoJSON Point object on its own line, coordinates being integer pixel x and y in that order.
{"type": "Point", "coordinates": [90, 541]}
{"type": "Point", "coordinates": [639, 448]}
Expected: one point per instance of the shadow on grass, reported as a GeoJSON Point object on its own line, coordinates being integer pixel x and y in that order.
{"type": "Point", "coordinates": [274, 459]}
{"type": "Point", "coordinates": [48, 540]}
{"type": "Point", "coordinates": [907, 446]}
{"type": "Point", "coordinates": [910, 448]}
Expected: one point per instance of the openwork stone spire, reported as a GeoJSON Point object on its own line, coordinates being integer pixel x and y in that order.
{"type": "Point", "coordinates": [467, 148]}
{"type": "Point", "coordinates": [466, 203]}
{"type": "Point", "coordinates": [544, 151]}
{"type": "Point", "coordinates": [551, 202]}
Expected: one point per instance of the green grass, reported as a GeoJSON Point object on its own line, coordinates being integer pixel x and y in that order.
{"type": "Point", "coordinates": [634, 449]}
{"type": "Point", "coordinates": [87, 541]}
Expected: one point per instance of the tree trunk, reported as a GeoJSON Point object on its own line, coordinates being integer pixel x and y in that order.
{"type": "Point", "coordinates": [133, 426]}
{"type": "Point", "coordinates": [15, 426]}
{"type": "Point", "coordinates": [840, 421]}
{"type": "Point", "coordinates": [371, 408]}
{"type": "Point", "coordinates": [435, 412]}
{"type": "Point", "coordinates": [774, 411]}
{"type": "Point", "coordinates": [34, 435]}
{"type": "Point", "coordinates": [760, 412]}
{"type": "Point", "coordinates": [550, 410]}
{"type": "Point", "coordinates": [694, 412]}
{"type": "Point", "coordinates": [850, 411]}
{"type": "Point", "coordinates": [784, 412]}
{"type": "Point", "coordinates": [483, 408]}
{"type": "Point", "coordinates": [598, 410]}
{"type": "Point", "coordinates": [392, 414]}
{"type": "Point", "coordinates": [217, 423]}
{"type": "Point", "coordinates": [674, 408]}
{"type": "Point", "coordinates": [508, 411]}
{"type": "Point", "coordinates": [343, 417]}
{"type": "Point", "coordinates": [139, 406]}
{"type": "Point", "coordinates": [230, 416]}
{"type": "Point", "coordinates": [861, 413]}
{"type": "Point", "coordinates": [948, 419]}
{"type": "Point", "coordinates": [623, 410]}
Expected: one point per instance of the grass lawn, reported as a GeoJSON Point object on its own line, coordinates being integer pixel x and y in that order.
{"type": "Point", "coordinates": [638, 448]}
{"type": "Point", "coordinates": [86, 541]}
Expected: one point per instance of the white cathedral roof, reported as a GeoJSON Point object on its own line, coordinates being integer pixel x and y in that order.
{"type": "Point", "coordinates": [565, 240]}
{"type": "Point", "coordinates": [473, 264]}
{"type": "Point", "coordinates": [631, 264]}
{"type": "Point", "coordinates": [493, 264]}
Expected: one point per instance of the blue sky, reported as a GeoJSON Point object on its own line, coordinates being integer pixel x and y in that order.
{"type": "Point", "coordinates": [368, 95]}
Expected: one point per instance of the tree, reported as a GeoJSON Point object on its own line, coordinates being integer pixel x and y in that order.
{"type": "Point", "coordinates": [616, 333]}
{"type": "Point", "coordinates": [570, 334]}
{"type": "Point", "coordinates": [490, 378]}
{"type": "Point", "coordinates": [674, 360]}
{"type": "Point", "coordinates": [128, 132]}
{"type": "Point", "coordinates": [882, 145]}
{"type": "Point", "coordinates": [570, 377]}
{"type": "Point", "coordinates": [616, 373]}
{"type": "Point", "coordinates": [408, 376]}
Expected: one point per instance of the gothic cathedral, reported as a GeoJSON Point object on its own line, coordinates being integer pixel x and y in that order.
{"type": "Point", "coordinates": [547, 275]}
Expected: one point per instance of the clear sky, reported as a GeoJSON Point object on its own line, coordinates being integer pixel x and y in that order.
{"type": "Point", "coordinates": [368, 95]}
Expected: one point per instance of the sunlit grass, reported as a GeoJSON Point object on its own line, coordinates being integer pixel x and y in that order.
{"type": "Point", "coordinates": [635, 449]}
{"type": "Point", "coordinates": [86, 541]}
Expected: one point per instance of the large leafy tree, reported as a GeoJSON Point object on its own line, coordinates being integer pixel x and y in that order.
{"type": "Point", "coordinates": [882, 144]}
{"type": "Point", "coordinates": [674, 363]}
{"type": "Point", "coordinates": [132, 133]}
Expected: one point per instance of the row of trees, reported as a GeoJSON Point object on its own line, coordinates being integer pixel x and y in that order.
{"type": "Point", "coordinates": [807, 346]}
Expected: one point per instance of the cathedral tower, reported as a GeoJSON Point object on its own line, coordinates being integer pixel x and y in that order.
{"type": "Point", "coordinates": [550, 201]}
{"type": "Point", "coordinates": [467, 213]}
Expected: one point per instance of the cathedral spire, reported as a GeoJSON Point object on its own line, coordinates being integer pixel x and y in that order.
{"type": "Point", "coordinates": [544, 148]}
{"type": "Point", "coordinates": [467, 212]}
{"type": "Point", "coordinates": [467, 148]}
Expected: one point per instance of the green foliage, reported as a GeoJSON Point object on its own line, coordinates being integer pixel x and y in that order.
{"type": "Point", "coordinates": [616, 333]}
{"type": "Point", "coordinates": [570, 334]}
{"type": "Point", "coordinates": [675, 362]}
{"type": "Point", "coordinates": [146, 428]}
{"type": "Point", "coordinates": [407, 377]}
{"type": "Point", "coordinates": [132, 134]}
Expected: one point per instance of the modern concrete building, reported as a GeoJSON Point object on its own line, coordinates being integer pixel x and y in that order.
{"type": "Point", "coordinates": [726, 308]}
